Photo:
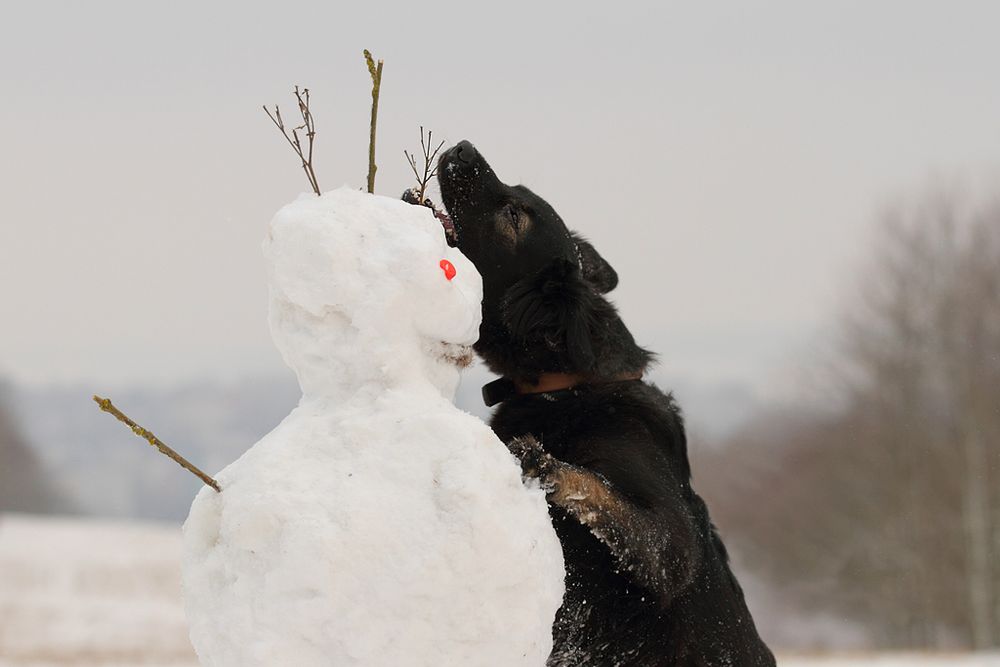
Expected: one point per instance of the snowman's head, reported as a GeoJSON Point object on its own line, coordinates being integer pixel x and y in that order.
{"type": "Point", "coordinates": [366, 288]}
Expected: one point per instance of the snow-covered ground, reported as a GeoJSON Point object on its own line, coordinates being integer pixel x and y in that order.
{"type": "Point", "coordinates": [92, 593]}
{"type": "Point", "coordinates": [88, 592]}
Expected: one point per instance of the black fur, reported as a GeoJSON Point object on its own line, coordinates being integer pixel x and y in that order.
{"type": "Point", "coordinates": [648, 579]}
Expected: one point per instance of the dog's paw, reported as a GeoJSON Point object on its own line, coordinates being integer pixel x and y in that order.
{"type": "Point", "coordinates": [536, 463]}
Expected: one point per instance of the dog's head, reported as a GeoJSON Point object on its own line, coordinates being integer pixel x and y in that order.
{"type": "Point", "coordinates": [543, 309]}
{"type": "Point", "coordinates": [507, 231]}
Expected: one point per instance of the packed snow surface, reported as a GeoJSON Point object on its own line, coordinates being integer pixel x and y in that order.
{"type": "Point", "coordinates": [377, 524]}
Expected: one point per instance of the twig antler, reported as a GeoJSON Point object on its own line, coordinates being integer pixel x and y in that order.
{"type": "Point", "coordinates": [106, 405]}
{"type": "Point", "coordinates": [376, 72]}
{"type": "Point", "coordinates": [430, 164]}
{"type": "Point", "coordinates": [309, 125]}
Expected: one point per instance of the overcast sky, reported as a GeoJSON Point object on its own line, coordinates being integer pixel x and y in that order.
{"type": "Point", "coordinates": [728, 159]}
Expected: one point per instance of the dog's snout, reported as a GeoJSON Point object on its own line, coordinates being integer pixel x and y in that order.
{"type": "Point", "coordinates": [465, 152]}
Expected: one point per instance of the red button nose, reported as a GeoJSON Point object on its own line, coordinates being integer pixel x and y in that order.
{"type": "Point", "coordinates": [448, 268]}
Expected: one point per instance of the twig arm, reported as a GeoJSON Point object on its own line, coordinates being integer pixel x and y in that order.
{"type": "Point", "coordinates": [106, 405]}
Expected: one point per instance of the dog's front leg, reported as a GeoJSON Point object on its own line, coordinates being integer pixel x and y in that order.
{"type": "Point", "coordinates": [655, 546]}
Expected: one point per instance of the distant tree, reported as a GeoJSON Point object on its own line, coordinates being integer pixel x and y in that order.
{"type": "Point", "coordinates": [24, 485]}
{"type": "Point", "coordinates": [886, 508]}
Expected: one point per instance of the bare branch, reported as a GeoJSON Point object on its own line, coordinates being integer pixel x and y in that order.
{"type": "Point", "coordinates": [106, 405]}
{"type": "Point", "coordinates": [376, 74]}
{"type": "Point", "coordinates": [430, 164]}
{"type": "Point", "coordinates": [309, 125]}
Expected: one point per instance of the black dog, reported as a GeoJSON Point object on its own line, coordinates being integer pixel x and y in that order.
{"type": "Point", "coordinates": [647, 578]}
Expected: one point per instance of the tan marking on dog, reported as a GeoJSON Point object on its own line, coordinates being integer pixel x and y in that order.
{"type": "Point", "coordinates": [582, 492]}
{"type": "Point", "coordinates": [633, 537]}
{"type": "Point", "coordinates": [509, 233]}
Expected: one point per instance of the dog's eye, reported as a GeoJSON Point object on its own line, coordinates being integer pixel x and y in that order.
{"type": "Point", "coordinates": [513, 215]}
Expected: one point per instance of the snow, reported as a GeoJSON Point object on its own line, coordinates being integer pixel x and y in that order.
{"type": "Point", "coordinates": [377, 524]}
{"type": "Point", "coordinates": [97, 593]}
{"type": "Point", "coordinates": [74, 591]}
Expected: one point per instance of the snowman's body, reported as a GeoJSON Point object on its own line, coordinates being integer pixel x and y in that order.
{"type": "Point", "coordinates": [377, 524]}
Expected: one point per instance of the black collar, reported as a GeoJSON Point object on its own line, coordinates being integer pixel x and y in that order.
{"type": "Point", "coordinates": [498, 391]}
{"type": "Point", "coordinates": [503, 389]}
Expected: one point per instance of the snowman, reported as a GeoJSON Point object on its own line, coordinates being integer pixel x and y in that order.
{"type": "Point", "coordinates": [377, 524]}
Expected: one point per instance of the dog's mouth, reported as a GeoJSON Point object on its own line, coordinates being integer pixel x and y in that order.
{"type": "Point", "coordinates": [412, 196]}
{"type": "Point", "coordinates": [467, 181]}
{"type": "Point", "coordinates": [460, 356]}
{"type": "Point", "coordinates": [450, 231]}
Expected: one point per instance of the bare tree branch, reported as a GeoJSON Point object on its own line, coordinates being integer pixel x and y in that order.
{"type": "Point", "coordinates": [106, 405]}
{"type": "Point", "coordinates": [430, 164]}
{"type": "Point", "coordinates": [376, 74]}
{"type": "Point", "coordinates": [309, 125]}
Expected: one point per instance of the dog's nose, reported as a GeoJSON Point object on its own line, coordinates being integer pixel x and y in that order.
{"type": "Point", "coordinates": [465, 152]}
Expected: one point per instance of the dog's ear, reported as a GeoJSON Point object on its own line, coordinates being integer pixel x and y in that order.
{"type": "Point", "coordinates": [554, 306]}
{"type": "Point", "coordinates": [595, 268]}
